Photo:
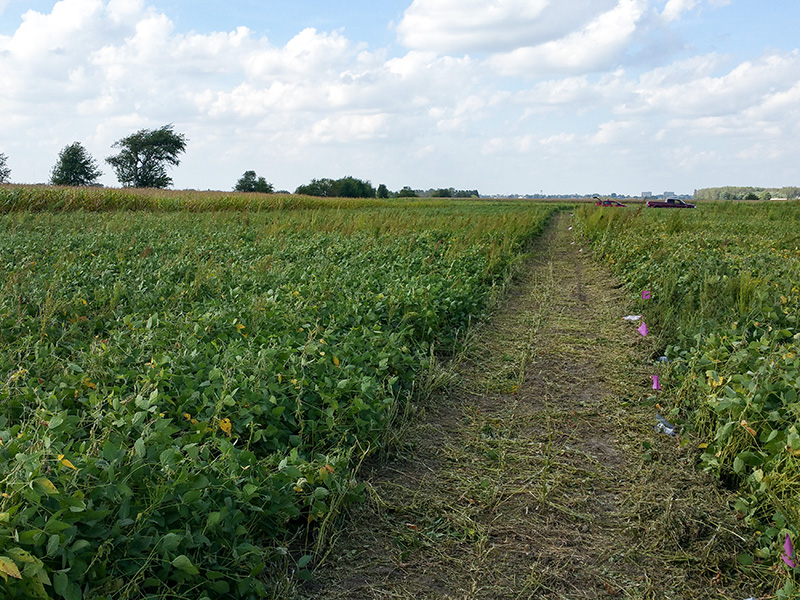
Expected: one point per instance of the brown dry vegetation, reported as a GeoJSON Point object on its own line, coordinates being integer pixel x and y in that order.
{"type": "Point", "coordinates": [527, 476]}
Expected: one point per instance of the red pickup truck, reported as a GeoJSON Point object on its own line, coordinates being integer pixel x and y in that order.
{"type": "Point", "coordinates": [669, 203]}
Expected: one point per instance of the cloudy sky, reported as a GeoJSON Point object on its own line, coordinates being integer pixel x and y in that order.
{"type": "Point", "coordinates": [503, 96]}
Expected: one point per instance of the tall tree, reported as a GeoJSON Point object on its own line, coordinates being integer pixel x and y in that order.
{"type": "Point", "coordinates": [75, 166]}
{"type": "Point", "coordinates": [144, 156]}
{"type": "Point", "coordinates": [250, 182]}
{"type": "Point", "coordinates": [5, 171]}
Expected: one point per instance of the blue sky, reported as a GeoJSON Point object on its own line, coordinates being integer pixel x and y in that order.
{"type": "Point", "coordinates": [503, 96]}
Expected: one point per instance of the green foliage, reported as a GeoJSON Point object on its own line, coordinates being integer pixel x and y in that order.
{"type": "Point", "coordinates": [346, 187]}
{"type": "Point", "coordinates": [5, 171]}
{"type": "Point", "coordinates": [725, 282]}
{"type": "Point", "coordinates": [407, 192]}
{"type": "Point", "coordinates": [182, 393]}
{"type": "Point", "coordinates": [144, 156]}
{"type": "Point", "coordinates": [746, 193]}
{"type": "Point", "coordinates": [454, 193]}
{"type": "Point", "coordinates": [75, 166]}
{"type": "Point", "coordinates": [383, 191]}
{"type": "Point", "coordinates": [250, 182]}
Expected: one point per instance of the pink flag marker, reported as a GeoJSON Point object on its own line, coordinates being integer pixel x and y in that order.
{"type": "Point", "coordinates": [788, 552]}
{"type": "Point", "coordinates": [643, 329]}
{"type": "Point", "coordinates": [656, 382]}
{"type": "Point", "coordinates": [646, 295]}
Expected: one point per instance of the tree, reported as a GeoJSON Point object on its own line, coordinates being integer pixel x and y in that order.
{"type": "Point", "coordinates": [383, 191]}
{"type": "Point", "coordinates": [407, 192]}
{"type": "Point", "coordinates": [317, 187]}
{"type": "Point", "coordinates": [144, 156]}
{"type": "Point", "coordinates": [75, 166]}
{"type": "Point", "coordinates": [249, 182]}
{"type": "Point", "coordinates": [346, 187]}
{"type": "Point", "coordinates": [5, 172]}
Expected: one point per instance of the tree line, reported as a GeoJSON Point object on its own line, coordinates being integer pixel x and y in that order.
{"type": "Point", "coordinates": [142, 161]}
{"type": "Point", "coordinates": [746, 193]}
{"type": "Point", "coordinates": [145, 156]}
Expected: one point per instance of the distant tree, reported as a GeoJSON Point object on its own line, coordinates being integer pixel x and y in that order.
{"type": "Point", "coordinates": [407, 192]}
{"type": "Point", "coordinates": [443, 193]}
{"type": "Point", "coordinates": [75, 166]}
{"type": "Point", "coordinates": [249, 182]}
{"type": "Point", "coordinates": [144, 156]}
{"type": "Point", "coordinates": [346, 187]}
{"type": "Point", "coordinates": [350, 187]}
{"type": "Point", "coordinates": [5, 171]}
{"type": "Point", "coordinates": [317, 187]}
{"type": "Point", "coordinates": [383, 191]}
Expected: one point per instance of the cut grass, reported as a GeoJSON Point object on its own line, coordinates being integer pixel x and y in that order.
{"type": "Point", "coordinates": [532, 477]}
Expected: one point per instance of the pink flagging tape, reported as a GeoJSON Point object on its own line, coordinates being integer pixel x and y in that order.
{"type": "Point", "coordinates": [656, 382]}
{"type": "Point", "coordinates": [643, 329]}
{"type": "Point", "coordinates": [646, 295]}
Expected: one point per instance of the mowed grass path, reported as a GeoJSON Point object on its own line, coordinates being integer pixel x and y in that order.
{"type": "Point", "coordinates": [536, 473]}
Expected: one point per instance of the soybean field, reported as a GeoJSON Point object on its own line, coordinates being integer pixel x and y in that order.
{"type": "Point", "coordinates": [186, 391]}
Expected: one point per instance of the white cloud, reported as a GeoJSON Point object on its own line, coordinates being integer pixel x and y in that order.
{"type": "Point", "coordinates": [493, 91]}
{"type": "Point", "coordinates": [613, 132]}
{"type": "Point", "coordinates": [675, 8]}
{"type": "Point", "coordinates": [695, 92]}
{"type": "Point", "coordinates": [596, 46]}
{"type": "Point", "coordinates": [455, 26]}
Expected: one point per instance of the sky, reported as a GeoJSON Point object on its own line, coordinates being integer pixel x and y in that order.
{"type": "Point", "coordinates": [502, 96]}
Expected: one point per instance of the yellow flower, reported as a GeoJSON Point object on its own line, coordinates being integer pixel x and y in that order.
{"type": "Point", "coordinates": [225, 425]}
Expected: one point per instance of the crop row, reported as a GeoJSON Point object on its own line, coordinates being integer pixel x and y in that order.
{"type": "Point", "coordinates": [180, 393]}
{"type": "Point", "coordinates": [725, 283]}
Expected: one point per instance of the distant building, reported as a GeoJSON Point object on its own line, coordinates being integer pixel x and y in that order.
{"type": "Point", "coordinates": [669, 194]}
{"type": "Point", "coordinates": [647, 194]}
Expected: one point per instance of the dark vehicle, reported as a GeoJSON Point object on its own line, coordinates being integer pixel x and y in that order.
{"type": "Point", "coordinates": [669, 203]}
{"type": "Point", "coordinates": [599, 202]}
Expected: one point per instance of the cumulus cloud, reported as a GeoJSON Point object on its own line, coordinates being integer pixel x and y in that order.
{"type": "Point", "coordinates": [689, 88]}
{"type": "Point", "coordinates": [483, 88]}
{"type": "Point", "coordinates": [596, 46]}
{"type": "Point", "coordinates": [456, 26]}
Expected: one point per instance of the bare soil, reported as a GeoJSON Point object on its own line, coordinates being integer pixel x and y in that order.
{"type": "Point", "coordinates": [536, 473]}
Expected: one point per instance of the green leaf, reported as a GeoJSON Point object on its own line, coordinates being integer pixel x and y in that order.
{"type": "Point", "coordinates": [303, 562]}
{"type": "Point", "coordinates": [292, 472]}
{"type": "Point", "coordinates": [60, 583]}
{"type": "Point", "coordinates": [53, 544]}
{"type": "Point", "coordinates": [171, 541]}
{"type": "Point", "coordinates": [184, 564]}
{"type": "Point", "coordinates": [43, 484]}
{"type": "Point", "coordinates": [139, 448]}
{"type": "Point", "coordinates": [53, 525]}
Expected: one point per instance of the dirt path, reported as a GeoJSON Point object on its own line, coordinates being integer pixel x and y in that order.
{"type": "Point", "coordinates": [532, 476]}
